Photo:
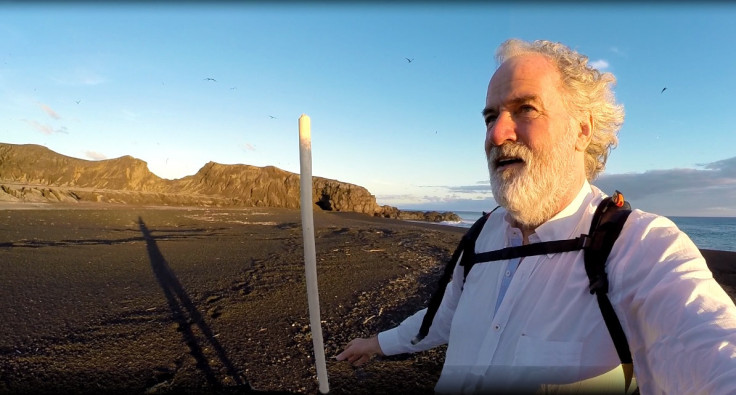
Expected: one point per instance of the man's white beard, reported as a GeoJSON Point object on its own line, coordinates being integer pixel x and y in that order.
{"type": "Point", "coordinates": [532, 193]}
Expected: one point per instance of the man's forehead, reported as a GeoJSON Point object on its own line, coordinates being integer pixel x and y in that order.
{"type": "Point", "coordinates": [523, 76]}
{"type": "Point", "coordinates": [517, 99]}
{"type": "Point", "coordinates": [525, 61]}
{"type": "Point", "coordinates": [525, 67]}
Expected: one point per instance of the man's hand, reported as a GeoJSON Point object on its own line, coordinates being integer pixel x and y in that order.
{"type": "Point", "coordinates": [360, 351]}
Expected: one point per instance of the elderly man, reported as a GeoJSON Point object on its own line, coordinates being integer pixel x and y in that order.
{"type": "Point", "coordinates": [529, 324]}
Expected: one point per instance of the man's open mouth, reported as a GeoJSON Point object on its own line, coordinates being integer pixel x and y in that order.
{"type": "Point", "coordinates": [505, 161]}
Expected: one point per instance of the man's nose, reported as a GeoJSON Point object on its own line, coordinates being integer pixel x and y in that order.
{"type": "Point", "coordinates": [501, 131]}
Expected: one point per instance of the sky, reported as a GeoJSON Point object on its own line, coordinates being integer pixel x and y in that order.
{"type": "Point", "coordinates": [394, 91]}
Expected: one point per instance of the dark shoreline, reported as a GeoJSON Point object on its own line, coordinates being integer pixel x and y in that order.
{"type": "Point", "coordinates": [132, 300]}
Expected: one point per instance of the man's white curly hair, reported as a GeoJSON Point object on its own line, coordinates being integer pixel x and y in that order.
{"type": "Point", "coordinates": [587, 92]}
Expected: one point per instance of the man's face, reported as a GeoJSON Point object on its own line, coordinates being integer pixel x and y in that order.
{"type": "Point", "coordinates": [530, 140]}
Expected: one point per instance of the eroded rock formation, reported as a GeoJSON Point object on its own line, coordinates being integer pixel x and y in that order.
{"type": "Point", "coordinates": [35, 173]}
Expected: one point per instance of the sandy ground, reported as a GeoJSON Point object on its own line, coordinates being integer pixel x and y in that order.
{"type": "Point", "coordinates": [127, 300]}
{"type": "Point", "coordinates": [148, 300]}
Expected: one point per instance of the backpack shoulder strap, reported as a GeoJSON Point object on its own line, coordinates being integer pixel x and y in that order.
{"type": "Point", "coordinates": [468, 258]}
{"type": "Point", "coordinates": [608, 220]}
{"type": "Point", "coordinates": [467, 243]}
{"type": "Point", "coordinates": [605, 228]}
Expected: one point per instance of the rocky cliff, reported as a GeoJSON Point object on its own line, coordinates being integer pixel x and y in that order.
{"type": "Point", "coordinates": [37, 165]}
{"type": "Point", "coordinates": [35, 173]}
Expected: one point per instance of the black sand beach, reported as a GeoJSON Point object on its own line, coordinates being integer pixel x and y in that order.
{"type": "Point", "coordinates": [132, 300]}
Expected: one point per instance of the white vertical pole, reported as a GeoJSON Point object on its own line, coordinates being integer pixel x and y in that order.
{"type": "Point", "coordinates": [310, 256]}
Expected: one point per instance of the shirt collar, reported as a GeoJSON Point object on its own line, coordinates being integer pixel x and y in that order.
{"type": "Point", "coordinates": [564, 225]}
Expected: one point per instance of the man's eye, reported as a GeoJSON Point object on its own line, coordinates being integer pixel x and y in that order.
{"type": "Point", "coordinates": [490, 119]}
{"type": "Point", "coordinates": [527, 111]}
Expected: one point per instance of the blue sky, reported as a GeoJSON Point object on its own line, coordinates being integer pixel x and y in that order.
{"type": "Point", "coordinates": [102, 81]}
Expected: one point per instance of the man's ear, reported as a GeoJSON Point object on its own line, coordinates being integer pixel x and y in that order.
{"type": "Point", "coordinates": [585, 133]}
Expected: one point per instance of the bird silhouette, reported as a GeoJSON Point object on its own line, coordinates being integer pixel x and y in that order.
{"type": "Point", "coordinates": [210, 79]}
{"type": "Point", "coordinates": [272, 117]}
{"type": "Point", "coordinates": [663, 89]}
{"type": "Point", "coordinates": [77, 101]}
{"type": "Point", "coordinates": [409, 60]}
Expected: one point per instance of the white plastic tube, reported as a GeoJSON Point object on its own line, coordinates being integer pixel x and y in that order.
{"type": "Point", "coordinates": [310, 256]}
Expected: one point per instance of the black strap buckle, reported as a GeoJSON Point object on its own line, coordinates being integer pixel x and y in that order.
{"type": "Point", "coordinates": [600, 284]}
{"type": "Point", "coordinates": [584, 241]}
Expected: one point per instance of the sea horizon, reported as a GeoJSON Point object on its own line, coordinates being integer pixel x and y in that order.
{"type": "Point", "coordinates": [711, 233]}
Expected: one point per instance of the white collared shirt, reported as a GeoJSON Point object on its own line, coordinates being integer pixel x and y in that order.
{"type": "Point", "coordinates": [548, 332]}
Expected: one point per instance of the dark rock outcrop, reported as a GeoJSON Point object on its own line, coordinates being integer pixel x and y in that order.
{"type": "Point", "coordinates": [430, 216]}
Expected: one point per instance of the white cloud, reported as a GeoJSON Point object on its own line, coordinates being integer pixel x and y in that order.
{"type": "Point", "coordinates": [130, 115]}
{"type": "Point", "coordinates": [458, 198]}
{"type": "Point", "coordinates": [92, 79]}
{"type": "Point", "coordinates": [45, 129]}
{"type": "Point", "coordinates": [79, 77]}
{"type": "Point", "coordinates": [710, 190]}
{"type": "Point", "coordinates": [618, 51]}
{"type": "Point", "coordinates": [49, 111]}
{"type": "Point", "coordinates": [599, 64]}
{"type": "Point", "coordinates": [94, 155]}
{"type": "Point", "coordinates": [443, 204]}
{"type": "Point", "coordinates": [482, 188]}
{"type": "Point", "coordinates": [475, 197]}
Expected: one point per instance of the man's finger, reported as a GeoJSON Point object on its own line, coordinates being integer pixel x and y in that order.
{"type": "Point", "coordinates": [362, 360]}
{"type": "Point", "coordinates": [350, 358]}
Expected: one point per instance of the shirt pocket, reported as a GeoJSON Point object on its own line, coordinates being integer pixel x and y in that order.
{"type": "Point", "coordinates": [534, 352]}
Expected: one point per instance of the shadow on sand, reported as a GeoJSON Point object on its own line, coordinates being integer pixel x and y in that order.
{"type": "Point", "coordinates": [187, 317]}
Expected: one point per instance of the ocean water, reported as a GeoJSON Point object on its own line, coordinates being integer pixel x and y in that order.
{"type": "Point", "coordinates": [710, 233]}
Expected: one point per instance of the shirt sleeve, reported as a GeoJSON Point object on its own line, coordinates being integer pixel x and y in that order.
{"type": "Point", "coordinates": [398, 339]}
{"type": "Point", "coordinates": [680, 323]}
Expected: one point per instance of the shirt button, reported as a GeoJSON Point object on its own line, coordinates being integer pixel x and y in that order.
{"type": "Point", "coordinates": [508, 273]}
{"type": "Point", "coordinates": [497, 327]}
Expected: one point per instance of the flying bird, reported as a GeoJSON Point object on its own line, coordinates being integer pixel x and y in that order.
{"type": "Point", "coordinates": [272, 117]}
{"type": "Point", "coordinates": [409, 60]}
{"type": "Point", "coordinates": [663, 89]}
{"type": "Point", "coordinates": [77, 101]}
{"type": "Point", "coordinates": [210, 79]}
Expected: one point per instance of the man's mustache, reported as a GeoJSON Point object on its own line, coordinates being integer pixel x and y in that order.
{"type": "Point", "coordinates": [508, 151]}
